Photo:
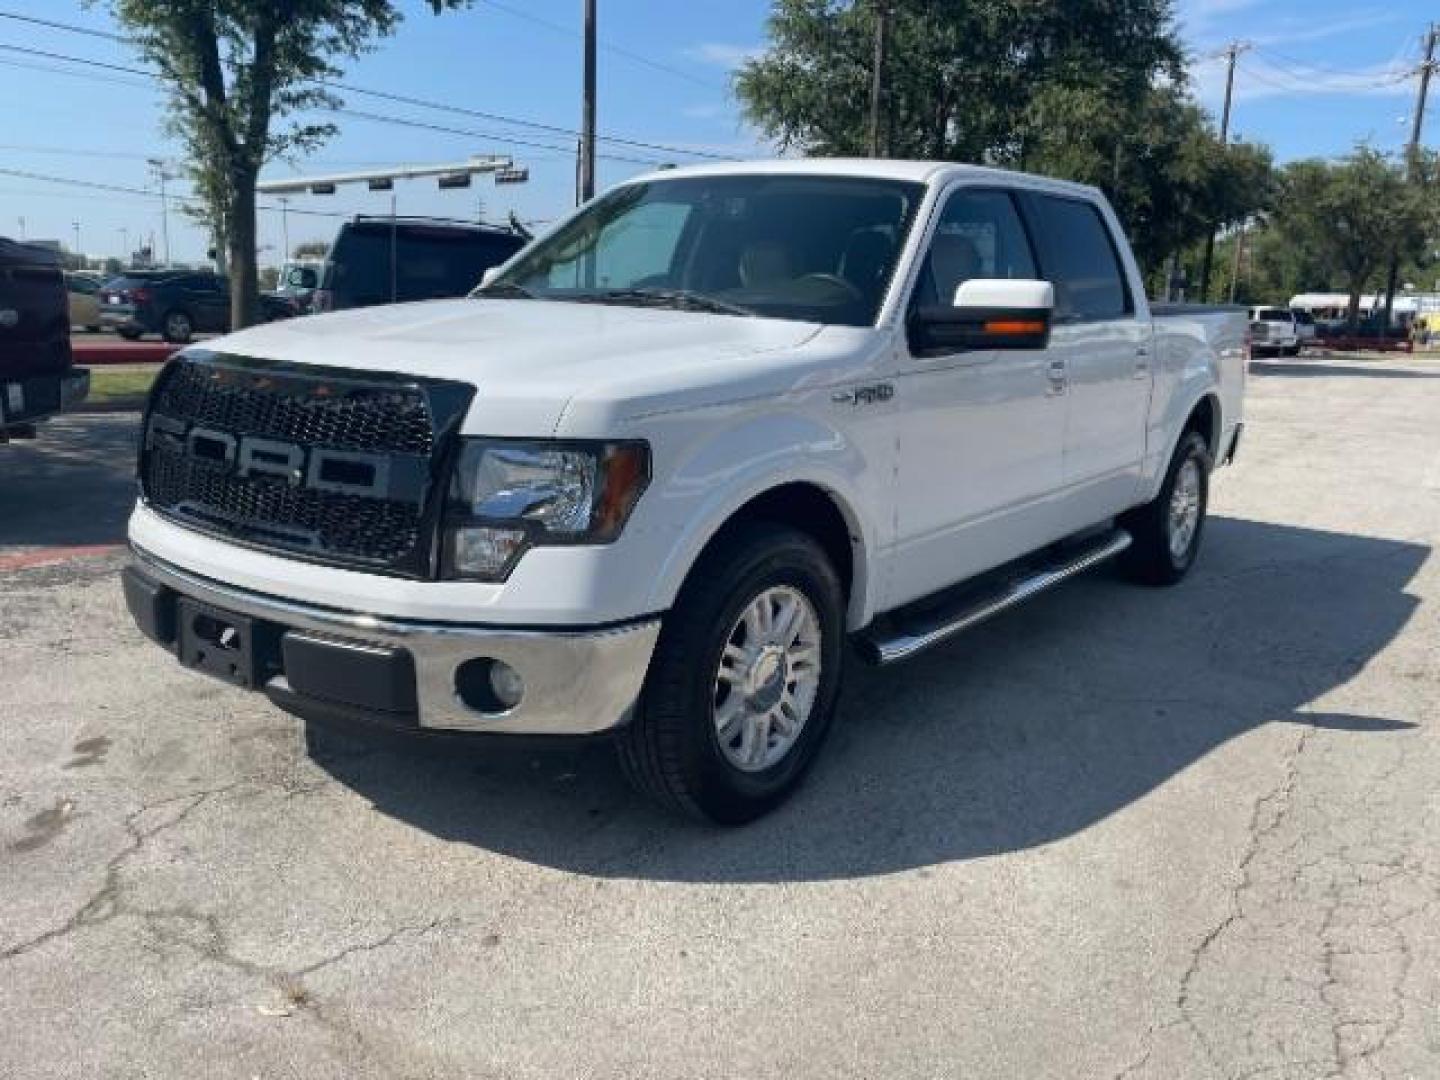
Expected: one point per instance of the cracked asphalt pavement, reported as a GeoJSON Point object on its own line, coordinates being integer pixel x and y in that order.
{"type": "Point", "coordinates": [1118, 833]}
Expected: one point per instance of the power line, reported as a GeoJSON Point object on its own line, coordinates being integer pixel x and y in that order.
{"type": "Point", "coordinates": [443, 129]}
{"type": "Point", "coordinates": [610, 47]}
{"type": "Point", "coordinates": [376, 117]}
{"type": "Point", "coordinates": [402, 99]}
{"type": "Point", "coordinates": [353, 89]}
{"type": "Point", "coordinates": [123, 189]}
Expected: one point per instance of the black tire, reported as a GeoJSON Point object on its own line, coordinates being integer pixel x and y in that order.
{"type": "Point", "coordinates": [671, 751]}
{"type": "Point", "coordinates": [177, 327]}
{"type": "Point", "coordinates": [129, 335]}
{"type": "Point", "coordinates": [1151, 559]}
{"type": "Point", "coordinates": [1293, 350]}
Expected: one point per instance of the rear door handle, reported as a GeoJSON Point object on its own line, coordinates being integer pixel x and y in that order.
{"type": "Point", "coordinates": [1142, 362]}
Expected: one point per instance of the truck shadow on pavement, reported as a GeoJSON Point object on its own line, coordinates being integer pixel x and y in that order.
{"type": "Point", "coordinates": [73, 485]}
{"type": "Point", "coordinates": [1025, 731]}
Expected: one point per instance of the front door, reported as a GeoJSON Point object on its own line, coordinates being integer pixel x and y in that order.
{"type": "Point", "coordinates": [981, 433]}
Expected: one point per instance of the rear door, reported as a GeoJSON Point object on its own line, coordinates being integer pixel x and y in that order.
{"type": "Point", "coordinates": [1102, 337]}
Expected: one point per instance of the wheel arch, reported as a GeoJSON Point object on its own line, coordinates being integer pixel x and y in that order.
{"type": "Point", "coordinates": [808, 504]}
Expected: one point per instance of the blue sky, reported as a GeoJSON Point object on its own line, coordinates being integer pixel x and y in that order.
{"type": "Point", "coordinates": [1320, 76]}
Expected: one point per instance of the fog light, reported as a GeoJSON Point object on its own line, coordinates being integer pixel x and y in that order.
{"type": "Point", "coordinates": [506, 684]}
{"type": "Point", "coordinates": [491, 687]}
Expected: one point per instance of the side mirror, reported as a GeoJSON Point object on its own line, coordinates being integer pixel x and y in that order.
{"type": "Point", "coordinates": [988, 313]}
{"type": "Point", "coordinates": [491, 273]}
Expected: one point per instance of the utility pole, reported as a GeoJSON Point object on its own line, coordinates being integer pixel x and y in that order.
{"type": "Point", "coordinates": [1232, 54]}
{"type": "Point", "coordinates": [878, 142]}
{"type": "Point", "coordinates": [1239, 253]}
{"type": "Point", "coordinates": [125, 246]}
{"type": "Point", "coordinates": [76, 226]}
{"type": "Point", "coordinates": [587, 120]}
{"type": "Point", "coordinates": [1412, 163]}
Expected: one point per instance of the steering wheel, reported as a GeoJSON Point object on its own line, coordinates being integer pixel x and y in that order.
{"type": "Point", "coordinates": [834, 281]}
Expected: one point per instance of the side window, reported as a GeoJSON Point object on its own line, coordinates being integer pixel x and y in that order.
{"type": "Point", "coordinates": [979, 235]}
{"type": "Point", "coordinates": [1079, 258]}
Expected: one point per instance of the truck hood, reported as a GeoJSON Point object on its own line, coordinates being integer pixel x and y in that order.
{"type": "Point", "coordinates": [526, 358]}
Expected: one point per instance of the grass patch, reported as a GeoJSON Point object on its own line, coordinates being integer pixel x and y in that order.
{"type": "Point", "coordinates": [119, 387]}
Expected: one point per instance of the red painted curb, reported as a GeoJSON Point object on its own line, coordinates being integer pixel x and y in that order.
{"type": "Point", "coordinates": [99, 354]}
{"type": "Point", "coordinates": [28, 560]}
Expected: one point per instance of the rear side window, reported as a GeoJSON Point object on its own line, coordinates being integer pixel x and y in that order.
{"type": "Point", "coordinates": [1078, 256]}
{"type": "Point", "coordinates": [1274, 315]}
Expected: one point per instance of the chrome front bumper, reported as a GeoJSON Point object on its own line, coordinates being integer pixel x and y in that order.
{"type": "Point", "coordinates": [579, 682]}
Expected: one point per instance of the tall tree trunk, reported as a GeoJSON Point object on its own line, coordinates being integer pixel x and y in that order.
{"type": "Point", "coordinates": [1352, 315]}
{"type": "Point", "coordinates": [244, 273]}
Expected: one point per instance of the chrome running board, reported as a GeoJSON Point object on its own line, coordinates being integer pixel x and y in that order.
{"type": "Point", "coordinates": [908, 636]}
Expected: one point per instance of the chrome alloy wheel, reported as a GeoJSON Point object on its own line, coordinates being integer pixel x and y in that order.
{"type": "Point", "coordinates": [1184, 519]}
{"type": "Point", "coordinates": [768, 679]}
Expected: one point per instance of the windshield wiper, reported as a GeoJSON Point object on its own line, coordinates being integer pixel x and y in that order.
{"type": "Point", "coordinates": [680, 299]}
{"type": "Point", "coordinates": [507, 288]}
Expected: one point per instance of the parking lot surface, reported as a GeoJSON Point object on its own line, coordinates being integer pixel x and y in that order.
{"type": "Point", "coordinates": [1117, 833]}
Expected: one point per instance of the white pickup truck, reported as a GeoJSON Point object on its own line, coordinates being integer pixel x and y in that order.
{"type": "Point", "coordinates": [651, 478]}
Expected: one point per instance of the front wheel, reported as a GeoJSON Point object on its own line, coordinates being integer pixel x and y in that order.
{"type": "Point", "coordinates": [743, 684]}
{"type": "Point", "coordinates": [1166, 532]}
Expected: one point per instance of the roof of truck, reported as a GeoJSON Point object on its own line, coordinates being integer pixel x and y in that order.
{"type": "Point", "coordinates": [924, 172]}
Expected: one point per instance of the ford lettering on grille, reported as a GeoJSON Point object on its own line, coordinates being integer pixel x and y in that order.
{"type": "Point", "coordinates": [346, 471]}
{"type": "Point", "coordinates": [339, 466]}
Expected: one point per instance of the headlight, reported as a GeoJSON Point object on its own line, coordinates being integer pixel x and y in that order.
{"type": "Point", "coordinates": [509, 496]}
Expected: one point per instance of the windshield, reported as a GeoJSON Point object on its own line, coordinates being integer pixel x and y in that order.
{"type": "Point", "coordinates": [814, 248]}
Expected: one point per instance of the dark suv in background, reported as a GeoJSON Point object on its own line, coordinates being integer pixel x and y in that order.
{"type": "Point", "coordinates": [176, 304]}
{"type": "Point", "coordinates": [382, 260]}
{"type": "Point", "coordinates": [37, 373]}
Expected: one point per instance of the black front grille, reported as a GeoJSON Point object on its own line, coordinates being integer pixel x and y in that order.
{"type": "Point", "coordinates": [338, 467]}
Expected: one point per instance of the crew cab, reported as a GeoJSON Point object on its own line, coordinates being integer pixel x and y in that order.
{"type": "Point", "coordinates": [650, 480]}
{"type": "Point", "coordinates": [38, 377]}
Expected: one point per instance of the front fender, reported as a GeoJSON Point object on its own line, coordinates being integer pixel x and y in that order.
{"type": "Point", "coordinates": [728, 464]}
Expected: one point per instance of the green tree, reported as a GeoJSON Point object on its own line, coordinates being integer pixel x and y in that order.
{"type": "Point", "coordinates": [1090, 90]}
{"type": "Point", "coordinates": [1348, 216]}
{"type": "Point", "coordinates": [235, 70]}
{"type": "Point", "coordinates": [311, 249]}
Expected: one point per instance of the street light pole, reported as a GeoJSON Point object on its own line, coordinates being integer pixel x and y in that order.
{"type": "Point", "coordinates": [159, 167]}
{"type": "Point", "coordinates": [76, 226]}
{"type": "Point", "coordinates": [284, 202]}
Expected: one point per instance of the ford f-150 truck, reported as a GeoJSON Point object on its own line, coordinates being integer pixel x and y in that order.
{"type": "Point", "coordinates": [664, 465]}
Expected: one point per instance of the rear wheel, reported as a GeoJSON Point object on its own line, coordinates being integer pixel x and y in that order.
{"type": "Point", "coordinates": [743, 684]}
{"type": "Point", "coordinates": [1166, 532]}
{"type": "Point", "coordinates": [177, 327]}
{"type": "Point", "coordinates": [129, 335]}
